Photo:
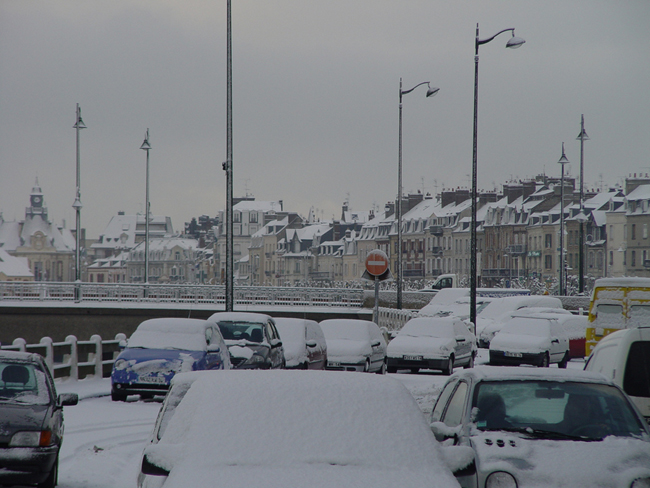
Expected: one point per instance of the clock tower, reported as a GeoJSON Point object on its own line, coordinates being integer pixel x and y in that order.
{"type": "Point", "coordinates": [37, 203]}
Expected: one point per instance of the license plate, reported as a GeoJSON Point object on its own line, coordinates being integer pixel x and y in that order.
{"type": "Point", "coordinates": [158, 380]}
{"type": "Point", "coordinates": [334, 364]}
{"type": "Point", "coordinates": [513, 354]}
{"type": "Point", "coordinates": [412, 358]}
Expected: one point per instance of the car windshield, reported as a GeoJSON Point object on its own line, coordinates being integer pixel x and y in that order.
{"type": "Point", "coordinates": [527, 326]}
{"type": "Point", "coordinates": [341, 329]}
{"type": "Point", "coordinates": [553, 409]}
{"type": "Point", "coordinates": [166, 339]}
{"type": "Point", "coordinates": [426, 328]}
{"type": "Point", "coordinates": [23, 383]}
{"type": "Point", "coordinates": [242, 331]}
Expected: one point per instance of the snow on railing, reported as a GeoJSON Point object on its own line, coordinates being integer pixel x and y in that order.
{"type": "Point", "coordinates": [394, 319]}
{"type": "Point", "coordinates": [183, 294]}
{"type": "Point", "coordinates": [73, 358]}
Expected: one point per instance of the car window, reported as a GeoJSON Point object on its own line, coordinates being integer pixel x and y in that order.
{"type": "Point", "coordinates": [453, 416]}
{"type": "Point", "coordinates": [636, 381]}
{"type": "Point", "coordinates": [603, 360]}
{"type": "Point", "coordinates": [23, 383]}
{"type": "Point", "coordinates": [439, 408]}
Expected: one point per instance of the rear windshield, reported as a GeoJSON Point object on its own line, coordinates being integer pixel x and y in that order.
{"type": "Point", "coordinates": [245, 331]}
{"type": "Point", "coordinates": [527, 326]}
{"type": "Point", "coordinates": [637, 370]}
{"type": "Point", "coordinates": [23, 383]}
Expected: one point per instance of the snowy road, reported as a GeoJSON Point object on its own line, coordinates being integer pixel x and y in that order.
{"type": "Point", "coordinates": [104, 439]}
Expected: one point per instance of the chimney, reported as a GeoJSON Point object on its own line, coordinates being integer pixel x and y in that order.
{"type": "Point", "coordinates": [461, 195]}
{"type": "Point", "coordinates": [447, 197]}
{"type": "Point", "coordinates": [512, 191]}
{"type": "Point", "coordinates": [389, 209]}
{"type": "Point", "coordinates": [413, 200]}
{"type": "Point", "coordinates": [529, 188]}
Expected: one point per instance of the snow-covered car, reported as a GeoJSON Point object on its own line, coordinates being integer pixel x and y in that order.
{"type": "Point", "coordinates": [304, 343]}
{"type": "Point", "coordinates": [495, 314]}
{"type": "Point", "coordinates": [538, 340]}
{"type": "Point", "coordinates": [459, 307]}
{"type": "Point", "coordinates": [354, 345]}
{"type": "Point", "coordinates": [31, 421]}
{"type": "Point", "coordinates": [252, 339]}
{"type": "Point", "coordinates": [160, 348]}
{"type": "Point", "coordinates": [281, 429]}
{"type": "Point", "coordinates": [432, 343]}
{"type": "Point", "coordinates": [528, 427]}
{"type": "Point", "coordinates": [491, 327]}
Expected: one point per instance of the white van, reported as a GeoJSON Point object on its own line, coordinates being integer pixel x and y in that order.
{"type": "Point", "coordinates": [624, 356]}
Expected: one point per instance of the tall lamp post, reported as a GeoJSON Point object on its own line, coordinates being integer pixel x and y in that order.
{"type": "Point", "coordinates": [79, 124]}
{"type": "Point", "coordinates": [582, 137]}
{"type": "Point", "coordinates": [563, 160]}
{"type": "Point", "coordinates": [513, 43]}
{"type": "Point", "coordinates": [430, 92]}
{"type": "Point", "coordinates": [227, 167]}
{"type": "Point", "coordinates": [146, 147]}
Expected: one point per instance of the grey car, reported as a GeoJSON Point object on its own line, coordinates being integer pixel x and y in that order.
{"type": "Point", "coordinates": [31, 421]}
{"type": "Point", "coordinates": [527, 427]}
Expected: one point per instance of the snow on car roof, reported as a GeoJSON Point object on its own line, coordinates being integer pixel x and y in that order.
{"type": "Point", "coordinates": [166, 333]}
{"type": "Point", "coordinates": [504, 373]}
{"type": "Point", "coordinates": [239, 317]}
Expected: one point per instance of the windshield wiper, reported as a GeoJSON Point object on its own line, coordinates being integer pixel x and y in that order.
{"type": "Point", "coordinates": [548, 434]}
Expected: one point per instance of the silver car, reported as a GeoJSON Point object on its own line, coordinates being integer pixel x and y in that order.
{"type": "Point", "coordinates": [530, 427]}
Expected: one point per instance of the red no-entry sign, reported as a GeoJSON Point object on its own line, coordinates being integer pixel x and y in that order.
{"type": "Point", "coordinates": [377, 262]}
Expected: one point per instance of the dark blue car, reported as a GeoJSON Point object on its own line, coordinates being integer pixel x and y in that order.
{"type": "Point", "coordinates": [160, 348]}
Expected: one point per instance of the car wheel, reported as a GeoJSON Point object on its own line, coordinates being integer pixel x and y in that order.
{"type": "Point", "coordinates": [545, 361]}
{"type": "Point", "coordinates": [392, 369]}
{"type": "Point", "coordinates": [470, 363]}
{"type": "Point", "coordinates": [447, 370]}
{"type": "Point", "coordinates": [53, 478]}
{"type": "Point", "coordinates": [118, 397]}
{"type": "Point", "coordinates": [562, 364]}
{"type": "Point", "coordinates": [382, 370]}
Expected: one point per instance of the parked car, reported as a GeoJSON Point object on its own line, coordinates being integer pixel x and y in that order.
{"type": "Point", "coordinates": [432, 343]}
{"type": "Point", "coordinates": [304, 343]}
{"type": "Point", "coordinates": [252, 339]}
{"type": "Point", "coordinates": [354, 345]}
{"type": "Point", "coordinates": [490, 329]}
{"type": "Point", "coordinates": [31, 421]}
{"type": "Point", "coordinates": [538, 340]}
{"type": "Point", "coordinates": [291, 429]}
{"type": "Point", "coordinates": [160, 348]}
{"type": "Point", "coordinates": [528, 427]}
{"type": "Point", "coordinates": [495, 315]}
{"type": "Point", "coordinates": [624, 357]}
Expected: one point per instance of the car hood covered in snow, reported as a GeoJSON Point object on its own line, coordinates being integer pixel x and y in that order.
{"type": "Point", "coordinates": [429, 347]}
{"type": "Point", "coordinates": [145, 361]}
{"type": "Point", "coordinates": [519, 343]}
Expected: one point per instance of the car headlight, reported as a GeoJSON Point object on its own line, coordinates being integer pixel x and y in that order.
{"type": "Point", "coordinates": [641, 483]}
{"type": "Point", "coordinates": [256, 358]}
{"type": "Point", "coordinates": [120, 364]}
{"type": "Point", "coordinates": [444, 348]}
{"type": "Point", "coordinates": [35, 438]}
{"type": "Point", "coordinates": [501, 479]}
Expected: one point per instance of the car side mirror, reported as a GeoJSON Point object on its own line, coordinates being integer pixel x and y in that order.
{"type": "Point", "coordinates": [555, 340]}
{"type": "Point", "coordinates": [157, 460]}
{"type": "Point", "coordinates": [460, 338]}
{"type": "Point", "coordinates": [311, 343]}
{"type": "Point", "coordinates": [376, 343]}
{"type": "Point", "coordinates": [150, 468]}
{"type": "Point", "coordinates": [276, 343]}
{"type": "Point", "coordinates": [67, 399]}
{"type": "Point", "coordinates": [121, 344]}
{"type": "Point", "coordinates": [442, 431]}
{"type": "Point", "coordinates": [214, 348]}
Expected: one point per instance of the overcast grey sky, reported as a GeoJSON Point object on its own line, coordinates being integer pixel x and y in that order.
{"type": "Point", "coordinates": [315, 99]}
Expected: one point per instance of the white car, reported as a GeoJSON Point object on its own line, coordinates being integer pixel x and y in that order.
{"type": "Point", "coordinates": [526, 427]}
{"type": "Point", "coordinates": [538, 340]}
{"type": "Point", "coordinates": [354, 345]}
{"type": "Point", "coordinates": [283, 429]}
{"type": "Point", "coordinates": [432, 343]}
{"type": "Point", "coordinates": [304, 343]}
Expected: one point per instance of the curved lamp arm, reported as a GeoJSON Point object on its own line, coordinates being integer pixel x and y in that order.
{"type": "Point", "coordinates": [513, 43]}
{"type": "Point", "coordinates": [430, 92]}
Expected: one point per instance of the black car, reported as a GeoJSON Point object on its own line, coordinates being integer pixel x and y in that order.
{"type": "Point", "coordinates": [253, 340]}
{"type": "Point", "coordinates": [31, 420]}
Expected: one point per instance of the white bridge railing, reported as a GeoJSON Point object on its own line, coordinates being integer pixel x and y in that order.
{"type": "Point", "coordinates": [181, 294]}
{"type": "Point", "coordinates": [72, 358]}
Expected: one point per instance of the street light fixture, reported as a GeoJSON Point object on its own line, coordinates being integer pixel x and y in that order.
{"type": "Point", "coordinates": [582, 137]}
{"type": "Point", "coordinates": [563, 160]}
{"type": "Point", "coordinates": [227, 167]}
{"type": "Point", "coordinates": [146, 147]}
{"type": "Point", "coordinates": [513, 43]}
{"type": "Point", "coordinates": [79, 124]}
{"type": "Point", "coordinates": [430, 92]}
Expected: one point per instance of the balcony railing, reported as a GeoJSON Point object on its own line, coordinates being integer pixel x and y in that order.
{"type": "Point", "coordinates": [516, 249]}
{"type": "Point", "coordinates": [436, 230]}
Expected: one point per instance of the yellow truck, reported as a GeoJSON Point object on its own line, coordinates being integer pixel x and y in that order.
{"type": "Point", "coordinates": [617, 303]}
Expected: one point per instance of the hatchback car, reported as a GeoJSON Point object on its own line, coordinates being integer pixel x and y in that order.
{"type": "Point", "coordinates": [252, 339]}
{"type": "Point", "coordinates": [31, 421]}
{"type": "Point", "coordinates": [528, 427]}
{"type": "Point", "coordinates": [291, 429]}
{"type": "Point", "coordinates": [537, 339]}
{"type": "Point", "coordinates": [160, 348]}
{"type": "Point", "coordinates": [432, 343]}
{"type": "Point", "coordinates": [354, 345]}
{"type": "Point", "coordinates": [304, 343]}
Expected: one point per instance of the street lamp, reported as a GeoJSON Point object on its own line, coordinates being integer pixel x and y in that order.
{"type": "Point", "coordinates": [227, 167]}
{"type": "Point", "coordinates": [79, 124]}
{"type": "Point", "coordinates": [430, 92]}
{"type": "Point", "coordinates": [146, 147]}
{"type": "Point", "coordinates": [563, 160]}
{"type": "Point", "coordinates": [513, 43]}
{"type": "Point", "coordinates": [582, 137]}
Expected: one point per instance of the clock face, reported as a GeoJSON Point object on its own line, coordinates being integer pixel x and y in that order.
{"type": "Point", "coordinates": [37, 199]}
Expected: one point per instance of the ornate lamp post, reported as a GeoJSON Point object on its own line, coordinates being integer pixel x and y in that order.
{"type": "Point", "coordinates": [582, 137]}
{"type": "Point", "coordinates": [146, 147]}
{"type": "Point", "coordinates": [79, 124]}
{"type": "Point", "coordinates": [563, 160]}
{"type": "Point", "coordinates": [227, 167]}
{"type": "Point", "coordinates": [430, 92]}
{"type": "Point", "coordinates": [513, 43]}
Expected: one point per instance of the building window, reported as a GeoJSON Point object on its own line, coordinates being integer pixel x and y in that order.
{"type": "Point", "coordinates": [611, 258]}
{"type": "Point", "coordinates": [645, 231]}
{"type": "Point", "coordinates": [633, 257]}
{"type": "Point", "coordinates": [633, 231]}
{"type": "Point", "coordinates": [548, 240]}
{"type": "Point", "coordinates": [548, 262]}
